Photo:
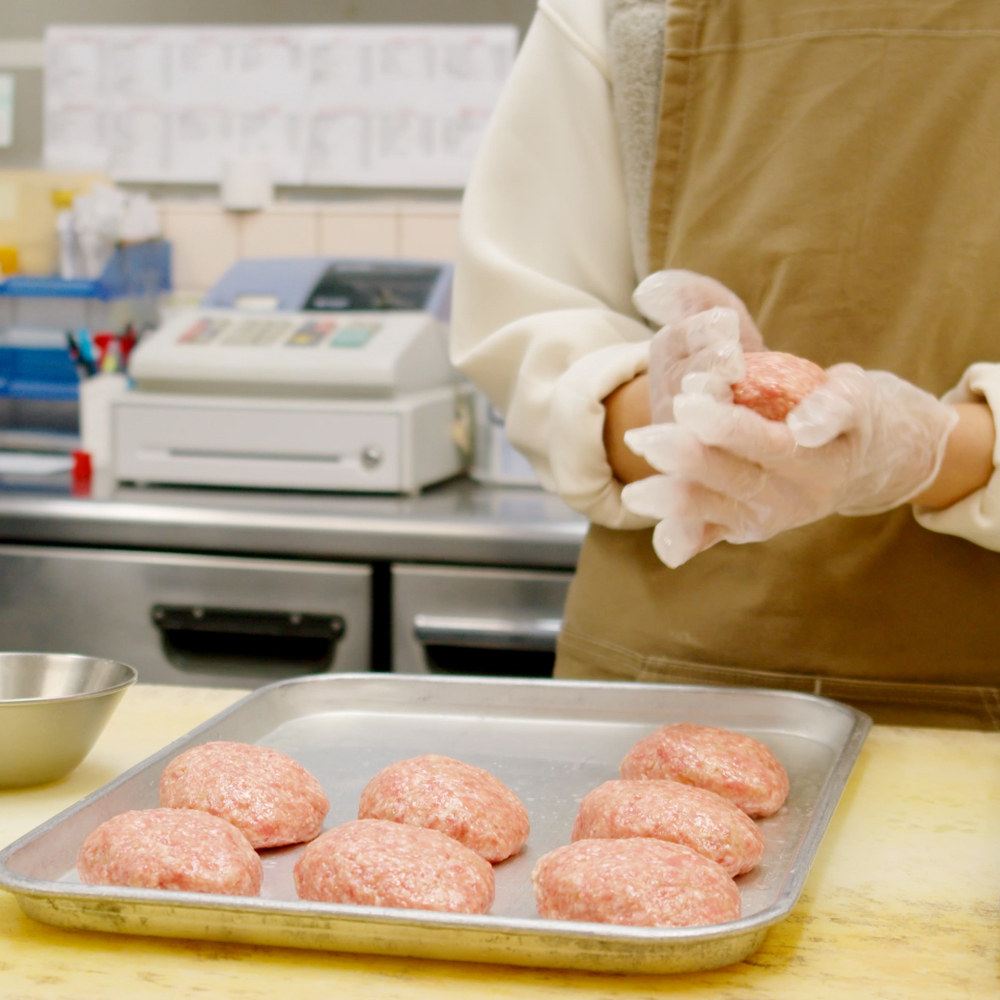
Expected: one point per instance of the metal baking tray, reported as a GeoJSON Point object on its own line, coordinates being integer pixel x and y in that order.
{"type": "Point", "coordinates": [550, 741]}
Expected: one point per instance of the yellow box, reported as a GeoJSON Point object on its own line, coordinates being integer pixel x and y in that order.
{"type": "Point", "coordinates": [28, 208]}
{"type": "Point", "coordinates": [8, 261]}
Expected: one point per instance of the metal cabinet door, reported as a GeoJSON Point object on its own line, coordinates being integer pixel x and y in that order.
{"type": "Point", "coordinates": [187, 619]}
{"type": "Point", "coordinates": [499, 622]}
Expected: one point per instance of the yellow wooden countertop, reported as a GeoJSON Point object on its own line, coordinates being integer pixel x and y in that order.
{"type": "Point", "coordinates": [901, 903]}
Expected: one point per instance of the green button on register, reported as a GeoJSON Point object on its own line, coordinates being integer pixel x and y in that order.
{"type": "Point", "coordinates": [356, 335]}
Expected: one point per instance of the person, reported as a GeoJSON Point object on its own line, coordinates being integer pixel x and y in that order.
{"type": "Point", "coordinates": [819, 179]}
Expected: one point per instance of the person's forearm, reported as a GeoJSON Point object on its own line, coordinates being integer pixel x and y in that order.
{"type": "Point", "coordinates": [967, 465]}
{"type": "Point", "coordinates": [625, 408]}
{"type": "Point", "coordinates": [968, 458]}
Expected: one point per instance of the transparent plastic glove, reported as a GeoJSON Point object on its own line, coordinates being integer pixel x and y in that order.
{"type": "Point", "coordinates": [698, 353]}
{"type": "Point", "coordinates": [862, 443]}
{"type": "Point", "coordinates": [686, 343]}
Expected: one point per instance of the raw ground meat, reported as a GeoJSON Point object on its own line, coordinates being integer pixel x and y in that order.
{"type": "Point", "coordinates": [373, 862]}
{"type": "Point", "coordinates": [737, 767]}
{"type": "Point", "coordinates": [462, 801]}
{"type": "Point", "coordinates": [171, 849]}
{"type": "Point", "coordinates": [273, 799]}
{"type": "Point", "coordinates": [679, 814]}
{"type": "Point", "coordinates": [775, 383]}
{"type": "Point", "coordinates": [639, 882]}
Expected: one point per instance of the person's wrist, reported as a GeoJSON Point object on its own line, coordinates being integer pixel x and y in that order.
{"type": "Point", "coordinates": [967, 463]}
{"type": "Point", "coordinates": [625, 408]}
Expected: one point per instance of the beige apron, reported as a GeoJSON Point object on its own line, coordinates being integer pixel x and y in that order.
{"type": "Point", "coordinates": [838, 166]}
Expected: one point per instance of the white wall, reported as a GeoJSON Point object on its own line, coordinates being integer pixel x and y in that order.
{"type": "Point", "coordinates": [207, 240]}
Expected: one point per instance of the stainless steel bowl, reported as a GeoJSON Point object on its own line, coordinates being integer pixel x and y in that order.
{"type": "Point", "coordinates": [53, 706]}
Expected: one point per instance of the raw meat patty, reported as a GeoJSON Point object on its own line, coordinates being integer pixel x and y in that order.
{"type": "Point", "coordinates": [463, 801]}
{"type": "Point", "coordinates": [775, 383]}
{"type": "Point", "coordinates": [737, 767]}
{"type": "Point", "coordinates": [273, 799]}
{"type": "Point", "coordinates": [374, 862]}
{"type": "Point", "coordinates": [679, 814]}
{"type": "Point", "coordinates": [171, 849]}
{"type": "Point", "coordinates": [639, 882]}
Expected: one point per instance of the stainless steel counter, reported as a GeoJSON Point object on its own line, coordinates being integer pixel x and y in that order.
{"type": "Point", "coordinates": [458, 522]}
{"type": "Point", "coordinates": [128, 573]}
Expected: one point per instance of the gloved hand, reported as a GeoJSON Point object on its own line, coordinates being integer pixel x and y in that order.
{"type": "Point", "coordinates": [701, 323]}
{"type": "Point", "coordinates": [862, 443]}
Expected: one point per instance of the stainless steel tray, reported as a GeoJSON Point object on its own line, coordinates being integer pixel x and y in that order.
{"type": "Point", "coordinates": [551, 741]}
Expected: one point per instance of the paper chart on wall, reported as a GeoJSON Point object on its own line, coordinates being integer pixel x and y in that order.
{"type": "Point", "coordinates": [393, 106]}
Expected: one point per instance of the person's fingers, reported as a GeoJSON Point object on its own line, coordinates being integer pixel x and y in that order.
{"type": "Point", "coordinates": [729, 516]}
{"type": "Point", "coordinates": [710, 383]}
{"type": "Point", "coordinates": [656, 497]}
{"type": "Point", "coordinates": [707, 343]}
{"type": "Point", "coordinates": [657, 443]}
{"type": "Point", "coordinates": [667, 297]}
{"type": "Point", "coordinates": [712, 534]}
{"type": "Point", "coordinates": [674, 450]}
{"type": "Point", "coordinates": [829, 410]}
{"type": "Point", "coordinates": [736, 429]}
{"type": "Point", "coordinates": [713, 330]}
{"type": "Point", "coordinates": [723, 362]}
{"type": "Point", "coordinates": [721, 472]}
{"type": "Point", "coordinates": [691, 517]}
{"type": "Point", "coordinates": [680, 533]}
{"type": "Point", "coordinates": [676, 544]}
{"type": "Point", "coordinates": [694, 519]}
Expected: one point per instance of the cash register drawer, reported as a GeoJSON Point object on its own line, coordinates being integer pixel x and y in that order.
{"type": "Point", "coordinates": [187, 619]}
{"type": "Point", "coordinates": [497, 622]}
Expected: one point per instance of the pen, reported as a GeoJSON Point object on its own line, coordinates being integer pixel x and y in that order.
{"type": "Point", "coordinates": [83, 368]}
{"type": "Point", "coordinates": [86, 350]}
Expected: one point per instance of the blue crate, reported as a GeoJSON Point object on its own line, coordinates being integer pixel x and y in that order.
{"type": "Point", "coordinates": [136, 270]}
{"type": "Point", "coordinates": [37, 367]}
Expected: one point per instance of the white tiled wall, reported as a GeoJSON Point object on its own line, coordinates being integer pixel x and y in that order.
{"type": "Point", "coordinates": [370, 230]}
{"type": "Point", "coordinates": [281, 231]}
{"type": "Point", "coordinates": [207, 240]}
{"type": "Point", "coordinates": [427, 229]}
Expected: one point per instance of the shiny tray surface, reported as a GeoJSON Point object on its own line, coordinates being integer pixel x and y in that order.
{"type": "Point", "coordinates": [550, 741]}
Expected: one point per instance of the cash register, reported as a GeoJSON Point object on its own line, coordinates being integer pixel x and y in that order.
{"type": "Point", "coordinates": [298, 373]}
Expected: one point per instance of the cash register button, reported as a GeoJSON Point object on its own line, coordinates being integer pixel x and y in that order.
{"type": "Point", "coordinates": [356, 335]}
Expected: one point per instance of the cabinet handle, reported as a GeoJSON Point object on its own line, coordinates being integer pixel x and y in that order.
{"type": "Point", "coordinates": [281, 624]}
{"type": "Point", "coordinates": [487, 633]}
{"type": "Point", "coordinates": [259, 643]}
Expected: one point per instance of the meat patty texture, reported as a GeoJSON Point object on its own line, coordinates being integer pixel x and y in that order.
{"type": "Point", "coordinates": [638, 882]}
{"type": "Point", "coordinates": [177, 849]}
{"type": "Point", "coordinates": [273, 799]}
{"type": "Point", "coordinates": [462, 801]}
{"type": "Point", "coordinates": [372, 862]}
{"type": "Point", "coordinates": [775, 383]}
{"type": "Point", "coordinates": [737, 767]}
{"type": "Point", "coordinates": [670, 811]}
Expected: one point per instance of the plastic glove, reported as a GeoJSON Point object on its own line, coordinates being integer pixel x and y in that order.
{"type": "Point", "coordinates": [702, 321]}
{"type": "Point", "coordinates": [862, 443]}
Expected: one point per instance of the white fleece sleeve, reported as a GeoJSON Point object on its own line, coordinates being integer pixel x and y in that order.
{"type": "Point", "coordinates": [542, 316]}
{"type": "Point", "coordinates": [977, 517]}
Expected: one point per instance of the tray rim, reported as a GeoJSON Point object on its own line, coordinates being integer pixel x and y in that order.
{"type": "Point", "coordinates": [828, 797]}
